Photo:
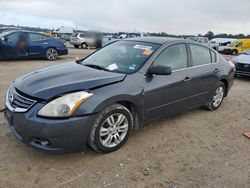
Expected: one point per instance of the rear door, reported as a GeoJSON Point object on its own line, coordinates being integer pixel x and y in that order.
{"type": "Point", "coordinates": [204, 73]}
{"type": "Point", "coordinates": [167, 94]}
{"type": "Point", "coordinates": [36, 44]}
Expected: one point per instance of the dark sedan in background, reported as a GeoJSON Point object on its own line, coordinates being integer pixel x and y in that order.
{"type": "Point", "coordinates": [97, 101]}
{"type": "Point", "coordinates": [242, 63]}
{"type": "Point", "coordinates": [25, 44]}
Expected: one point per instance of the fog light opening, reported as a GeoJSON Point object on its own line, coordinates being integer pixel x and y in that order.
{"type": "Point", "coordinates": [42, 142]}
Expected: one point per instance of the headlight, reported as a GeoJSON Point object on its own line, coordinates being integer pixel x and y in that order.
{"type": "Point", "coordinates": [64, 106]}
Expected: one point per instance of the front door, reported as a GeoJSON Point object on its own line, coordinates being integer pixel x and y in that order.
{"type": "Point", "coordinates": [9, 45]}
{"type": "Point", "coordinates": [168, 94]}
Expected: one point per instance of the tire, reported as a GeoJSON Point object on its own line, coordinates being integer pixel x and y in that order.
{"type": "Point", "coordinates": [108, 141]}
{"type": "Point", "coordinates": [76, 46]}
{"type": "Point", "coordinates": [51, 54]}
{"type": "Point", "coordinates": [234, 52]}
{"type": "Point", "coordinates": [84, 45]}
{"type": "Point", "coordinates": [98, 45]}
{"type": "Point", "coordinates": [217, 98]}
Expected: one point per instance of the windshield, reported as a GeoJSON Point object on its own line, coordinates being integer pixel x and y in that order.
{"type": "Point", "coordinates": [4, 34]}
{"type": "Point", "coordinates": [236, 44]}
{"type": "Point", "coordinates": [121, 56]}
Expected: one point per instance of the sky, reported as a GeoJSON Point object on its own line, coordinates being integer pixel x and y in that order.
{"type": "Point", "coordinates": [170, 16]}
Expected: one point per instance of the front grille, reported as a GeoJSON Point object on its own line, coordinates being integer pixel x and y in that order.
{"type": "Point", "coordinates": [18, 102]}
{"type": "Point", "coordinates": [243, 67]}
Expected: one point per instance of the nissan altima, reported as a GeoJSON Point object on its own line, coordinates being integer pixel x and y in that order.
{"type": "Point", "coordinates": [99, 100]}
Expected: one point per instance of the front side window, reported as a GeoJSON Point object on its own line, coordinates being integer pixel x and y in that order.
{"type": "Point", "coordinates": [174, 56]}
{"type": "Point", "coordinates": [200, 55]}
{"type": "Point", "coordinates": [35, 37]}
{"type": "Point", "coordinates": [13, 38]}
{"type": "Point", "coordinates": [122, 56]}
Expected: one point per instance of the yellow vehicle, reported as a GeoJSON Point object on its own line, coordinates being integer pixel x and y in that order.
{"type": "Point", "coordinates": [239, 46]}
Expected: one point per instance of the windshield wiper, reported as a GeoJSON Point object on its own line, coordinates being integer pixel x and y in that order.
{"type": "Point", "coordinates": [96, 67]}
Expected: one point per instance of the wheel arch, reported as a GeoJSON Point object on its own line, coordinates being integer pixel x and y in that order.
{"type": "Point", "coordinates": [224, 80]}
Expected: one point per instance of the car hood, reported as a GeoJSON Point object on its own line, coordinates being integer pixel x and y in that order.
{"type": "Point", "coordinates": [243, 58]}
{"type": "Point", "coordinates": [64, 78]}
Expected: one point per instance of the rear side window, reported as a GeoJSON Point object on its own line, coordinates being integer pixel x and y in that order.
{"type": "Point", "coordinates": [200, 55]}
{"type": "Point", "coordinates": [174, 56]}
{"type": "Point", "coordinates": [35, 37]}
{"type": "Point", "coordinates": [213, 56]}
{"type": "Point", "coordinates": [81, 35]}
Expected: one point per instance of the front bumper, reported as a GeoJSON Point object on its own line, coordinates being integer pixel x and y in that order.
{"type": "Point", "coordinates": [77, 43]}
{"type": "Point", "coordinates": [50, 135]}
{"type": "Point", "coordinates": [63, 52]}
{"type": "Point", "coordinates": [242, 69]}
{"type": "Point", "coordinates": [227, 51]}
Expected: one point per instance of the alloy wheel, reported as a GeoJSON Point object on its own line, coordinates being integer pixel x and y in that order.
{"type": "Point", "coordinates": [51, 54]}
{"type": "Point", "coordinates": [113, 130]}
{"type": "Point", "coordinates": [218, 97]}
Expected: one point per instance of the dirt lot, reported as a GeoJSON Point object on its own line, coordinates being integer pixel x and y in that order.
{"type": "Point", "coordinates": [195, 149]}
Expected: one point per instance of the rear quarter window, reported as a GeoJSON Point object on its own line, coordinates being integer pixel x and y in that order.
{"type": "Point", "coordinates": [200, 55]}
{"type": "Point", "coordinates": [213, 56]}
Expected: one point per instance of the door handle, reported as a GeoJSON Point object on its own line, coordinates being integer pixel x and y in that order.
{"type": "Point", "coordinates": [187, 79]}
{"type": "Point", "coordinates": [216, 70]}
{"type": "Point", "coordinates": [45, 43]}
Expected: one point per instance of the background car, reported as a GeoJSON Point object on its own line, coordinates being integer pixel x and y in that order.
{"type": "Point", "coordinates": [87, 39]}
{"type": "Point", "coordinates": [219, 44]}
{"type": "Point", "coordinates": [5, 29]}
{"type": "Point", "coordinates": [239, 46]}
{"type": "Point", "coordinates": [242, 63]}
{"type": "Point", "coordinates": [202, 40]}
{"type": "Point", "coordinates": [25, 44]}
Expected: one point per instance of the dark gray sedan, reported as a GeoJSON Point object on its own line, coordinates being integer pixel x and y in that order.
{"type": "Point", "coordinates": [99, 100]}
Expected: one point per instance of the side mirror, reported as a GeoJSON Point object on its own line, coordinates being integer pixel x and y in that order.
{"type": "Point", "coordinates": [160, 70]}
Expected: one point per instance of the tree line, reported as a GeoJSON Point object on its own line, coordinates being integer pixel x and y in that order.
{"type": "Point", "coordinates": [210, 35]}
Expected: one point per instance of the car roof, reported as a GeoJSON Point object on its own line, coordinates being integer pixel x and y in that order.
{"type": "Point", "coordinates": [156, 40]}
{"type": "Point", "coordinates": [25, 31]}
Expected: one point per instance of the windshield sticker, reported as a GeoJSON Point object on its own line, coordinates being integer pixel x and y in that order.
{"type": "Point", "coordinates": [112, 67]}
{"type": "Point", "coordinates": [148, 52]}
{"type": "Point", "coordinates": [142, 47]}
{"type": "Point", "coordinates": [132, 67]}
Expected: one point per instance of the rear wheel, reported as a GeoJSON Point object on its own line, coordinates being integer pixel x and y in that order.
{"type": "Point", "coordinates": [217, 98]}
{"type": "Point", "coordinates": [51, 54]}
{"type": "Point", "coordinates": [84, 45]}
{"type": "Point", "coordinates": [111, 129]}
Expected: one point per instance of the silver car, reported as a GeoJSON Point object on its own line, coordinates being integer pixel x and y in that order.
{"type": "Point", "coordinates": [86, 39]}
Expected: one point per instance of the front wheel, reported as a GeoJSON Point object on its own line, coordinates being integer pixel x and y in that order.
{"type": "Point", "coordinates": [111, 129]}
{"type": "Point", "coordinates": [217, 98]}
{"type": "Point", "coordinates": [235, 52]}
{"type": "Point", "coordinates": [51, 54]}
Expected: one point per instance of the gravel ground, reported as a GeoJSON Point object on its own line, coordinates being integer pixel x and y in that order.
{"type": "Point", "coordinates": [195, 149]}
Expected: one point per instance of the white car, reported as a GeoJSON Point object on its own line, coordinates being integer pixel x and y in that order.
{"type": "Point", "coordinates": [220, 43]}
